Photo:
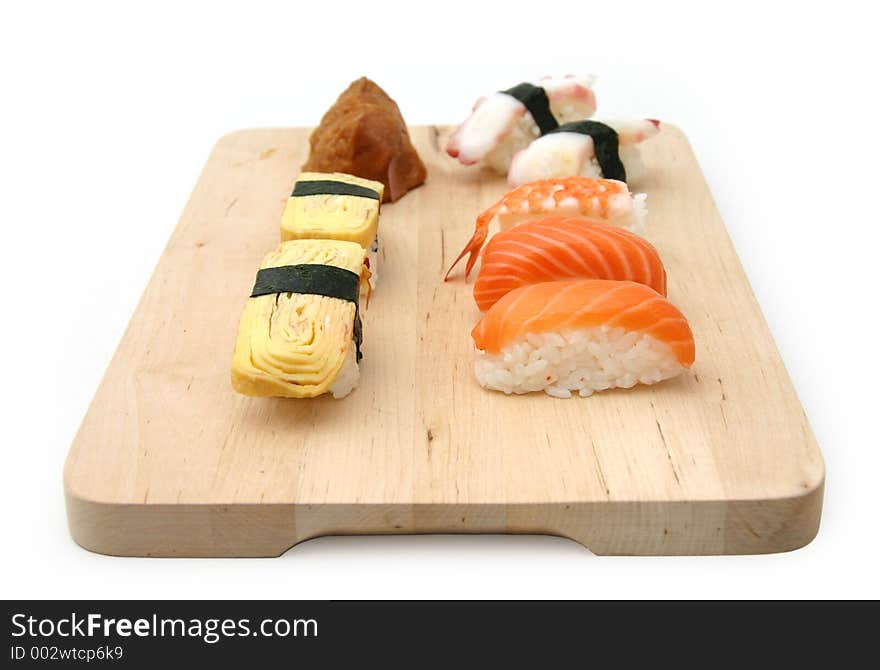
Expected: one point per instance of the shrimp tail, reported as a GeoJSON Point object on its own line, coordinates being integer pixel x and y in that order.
{"type": "Point", "coordinates": [475, 243]}
{"type": "Point", "coordinates": [368, 289]}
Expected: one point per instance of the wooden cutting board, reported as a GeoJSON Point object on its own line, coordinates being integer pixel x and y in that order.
{"type": "Point", "coordinates": [169, 461]}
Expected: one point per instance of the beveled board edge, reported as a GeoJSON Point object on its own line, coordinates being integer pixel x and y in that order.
{"type": "Point", "coordinates": [663, 528]}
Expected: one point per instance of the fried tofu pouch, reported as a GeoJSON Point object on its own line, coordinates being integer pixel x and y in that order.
{"type": "Point", "coordinates": [363, 133]}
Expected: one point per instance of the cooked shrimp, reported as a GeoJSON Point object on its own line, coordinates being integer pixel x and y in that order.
{"type": "Point", "coordinates": [604, 199]}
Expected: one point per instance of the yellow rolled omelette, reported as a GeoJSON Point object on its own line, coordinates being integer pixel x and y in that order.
{"type": "Point", "coordinates": [333, 206]}
{"type": "Point", "coordinates": [299, 334]}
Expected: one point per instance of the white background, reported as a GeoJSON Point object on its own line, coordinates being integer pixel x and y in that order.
{"type": "Point", "coordinates": [109, 113]}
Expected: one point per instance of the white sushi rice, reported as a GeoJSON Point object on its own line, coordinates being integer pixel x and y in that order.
{"type": "Point", "coordinates": [577, 361]}
{"type": "Point", "coordinates": [521, 135]}
{"type": "Point", "coordinates": [639, 214]}
{"type": "Point", "coordinates": [373, 256]}
{"type": "Point", "coordinates": [347, 377]}
{"type": "Point", "coordinates": [630, 156]}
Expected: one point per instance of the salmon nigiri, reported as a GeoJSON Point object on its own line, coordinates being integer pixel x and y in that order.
{"type": "Point", "coordinates": [581, 335]}
{"type": "Point", "coordinates": [560, 247]}
{"type": "Point", "coordinates": [604, 199]}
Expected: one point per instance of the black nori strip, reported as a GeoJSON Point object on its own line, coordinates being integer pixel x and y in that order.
{"type": "Point", "coordinates": [536, 101]}
{"type": "Point", "coordinates": [330, 187]}
{"type": "Point", "coordinates": [314, 279]}
{"type": "Point", "coordinates": [605, 142]}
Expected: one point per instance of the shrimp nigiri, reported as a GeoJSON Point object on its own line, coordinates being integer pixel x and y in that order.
{"type": "Point", "coordinates": [563, 248]}
{"type": "Point", "coordinates": [604, 199]}
{"type": "Point", "coordinates": [587, 148]}
{"type": "Point", "coordinates": [505, 122]}
{"type": "Point", "coordinates": [581, 335]}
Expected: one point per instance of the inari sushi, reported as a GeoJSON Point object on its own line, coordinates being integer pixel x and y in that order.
{"type": "Point", "coordinates": [299, 335]}
{"type": "Point", "coordinates": [335, 206]}
{"type": "Point", "coordinates": [603, 199]}
{"type": "Point", "coordinates": [585, 148]}
{"type": "Point", "coordinates": [564, 248]}
{"type": "Point", "coordinates": [505, 122]}
{"type": "Point", "coordinates": [580, 336]}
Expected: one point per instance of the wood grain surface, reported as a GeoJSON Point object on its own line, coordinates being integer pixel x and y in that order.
{"type": "Point", "coordinates": [169, 461]}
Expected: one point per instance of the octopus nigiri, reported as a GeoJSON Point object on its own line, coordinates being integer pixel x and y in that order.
{"type": "Point", "coordinates": [564, 248]}
{"type": "Point", "coordinates": [587, 148]}
{"type": "Point", "coordinates": [505, 122]}
{"type": "Point", "coordinates": [581, 336]}
{"type": "Point", "coordinates": [603, 199]}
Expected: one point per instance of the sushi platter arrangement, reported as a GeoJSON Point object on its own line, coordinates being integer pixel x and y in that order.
{"type": "Point", "coordinates": [598, 369]}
